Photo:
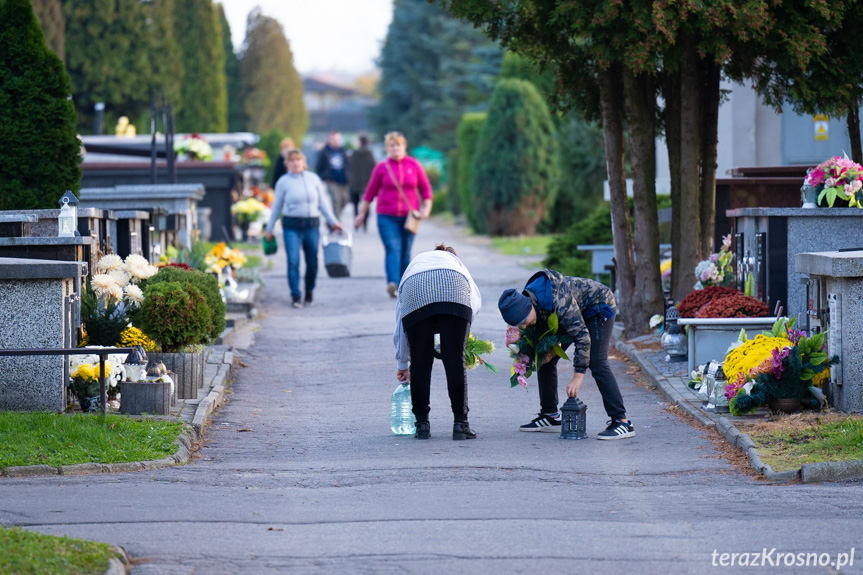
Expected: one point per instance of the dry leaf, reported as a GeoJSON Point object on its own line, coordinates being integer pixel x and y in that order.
{"type": "Point", "coordinates": [244, 429]}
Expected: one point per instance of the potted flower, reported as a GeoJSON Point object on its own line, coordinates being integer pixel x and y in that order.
{"type": "Point", "coordinates": [716, 270]}
{"type": "Point", "coordinates": [111, 296]}
{"type": "Point", "coordinates": [837, 181]}
{"type": "Point", "coordinates": [718, 321]}
{"type": "Point", "coordinates": [84, 379]}
{"type": "Point", "coordinates": [789, 374]}
{"type": "Point", "coordinates": [193, 147]}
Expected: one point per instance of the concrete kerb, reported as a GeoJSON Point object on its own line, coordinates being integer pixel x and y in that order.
{"type": "Point", "coordinates": [190, 434]}
{"type": "Point", "coordinates": [722, 424]}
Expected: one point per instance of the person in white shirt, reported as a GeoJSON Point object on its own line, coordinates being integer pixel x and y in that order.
{"type": "Point", "coordinates": [436, 295]}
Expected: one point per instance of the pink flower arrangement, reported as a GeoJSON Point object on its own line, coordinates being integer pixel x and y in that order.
{"type": "Point", "coordinates": [838, 178]}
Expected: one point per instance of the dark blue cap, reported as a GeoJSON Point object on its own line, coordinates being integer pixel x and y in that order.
{"type": "Point", "coordinates": [514, 307]}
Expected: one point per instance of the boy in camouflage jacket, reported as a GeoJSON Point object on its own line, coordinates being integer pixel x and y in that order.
{"type": "Point", "coordinates": [585, 310]}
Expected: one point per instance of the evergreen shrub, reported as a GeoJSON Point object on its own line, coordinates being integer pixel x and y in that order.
{"type": "Point", "coordinates": [206, 284]}
{"type": "Point", "coordinates": [174, 315]}
{"type": "Point", "coordinates": [41, 150]}
{"type": "Point", "coordinates": [516, 166]}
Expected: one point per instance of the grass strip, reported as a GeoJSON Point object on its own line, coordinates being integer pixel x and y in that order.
{"type": "Point", "coordinates": [66, 439]}
{"type": "Point", "coordinates": [523, 245]}
{"type": "Point", "coordinates": [789, 448]}
{"type": "Point", "coordinates": [25, 553]}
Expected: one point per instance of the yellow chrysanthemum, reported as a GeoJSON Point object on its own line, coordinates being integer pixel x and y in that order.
{"type": "Point", "coordinates": [747, 356]}
{"type": "Point", "coordinates": [133, 336]}
{"type": "Point", "coordinates": [820, 378]}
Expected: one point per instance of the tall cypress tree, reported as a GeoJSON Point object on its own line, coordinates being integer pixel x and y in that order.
{"type": "Point", "coordinates": [271, 88]}
{"type": "Point", "coordinates": [236, 119]}
{"type": "Point", "coordinates": [204, 96]}
{"type": "Point", "coordinates": [515, 173]}
{"type": "Point", "coordinates": [37, 120]}
{"type": "Point", "coordinates": [433, 69]}
{"type": "Point", "coordinates": [106, 58]}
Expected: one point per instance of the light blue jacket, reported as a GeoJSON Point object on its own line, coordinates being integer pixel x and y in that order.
{"type": "Point", "coordinates": [300, 196]}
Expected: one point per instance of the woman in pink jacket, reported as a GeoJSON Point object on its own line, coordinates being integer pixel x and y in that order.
{"type": "Point", "coordinates": [400, 185]}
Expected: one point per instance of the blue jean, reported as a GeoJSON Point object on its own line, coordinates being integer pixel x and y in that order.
{"type": "Point", "coordinates": [308, 239]}
{"type": "Point", "coordinates": [397, 245]}
{"type": "Point", "coordinates": [600, 331]}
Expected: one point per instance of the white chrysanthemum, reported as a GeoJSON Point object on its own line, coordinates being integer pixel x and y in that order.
{"type": "Point", "coordinates": [491, 347]}
{"type": "Point", "coordinates": [655, 320]}
{"type": "Point", "coordinates": [142, 272]}
{"type": "Point", "coordinates": [102, 283]}
{"type": "Point", "coordinates": [121, 277]}
{"type": "Point", "coordinates": [109, 263]}
{"type": "Point", "coordinates": [114, 292]}
{"type": "Point", "coordinates": [136, 260]}
{"type": "Point", "coordinates": [134, 294]}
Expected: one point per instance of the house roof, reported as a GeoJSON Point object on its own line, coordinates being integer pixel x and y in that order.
{"type": "Point", "coordinates": [318, 86]}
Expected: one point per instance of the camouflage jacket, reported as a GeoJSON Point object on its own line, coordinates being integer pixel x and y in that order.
{"type": "Point", "coordinates": [572, 296]}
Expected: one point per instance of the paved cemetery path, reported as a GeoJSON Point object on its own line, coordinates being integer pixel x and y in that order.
{"type": "Point", "coordinates": [299, 472]}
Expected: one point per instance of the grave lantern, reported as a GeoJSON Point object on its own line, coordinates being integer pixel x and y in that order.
{"type": "Point", "coordinates": [136, 364]}
{"type": "Point", "coordinates": [68, 219]}
{"type": "Point", "coordinates": [673, 341]}
{"type": "Point", "coordinates": [714, 377]}
{"type": "Point", "coordinates": [573, 419]}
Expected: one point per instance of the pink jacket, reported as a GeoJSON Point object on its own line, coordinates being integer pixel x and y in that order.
{"type": "Point", "coordinates": [413, 180]}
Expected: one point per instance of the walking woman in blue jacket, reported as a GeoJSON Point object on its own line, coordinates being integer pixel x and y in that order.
{"type": "Point", "coordinates": [300, 203]}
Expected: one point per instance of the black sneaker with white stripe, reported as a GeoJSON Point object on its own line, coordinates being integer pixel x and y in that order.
{"type": "Point", "coordinates": [544, 423]}
{"type": "Point", "coordinates": [617, 430]}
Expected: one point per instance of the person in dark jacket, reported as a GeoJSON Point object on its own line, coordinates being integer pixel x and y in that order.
{"type": "Point", "coordinates": [585, 311]}
{"type": "Point", "coordinates": [360, 166]}
{"type": "Point", "coordinates": [281, 167]}
{"type": "Point", "coordinates": [332, 168]}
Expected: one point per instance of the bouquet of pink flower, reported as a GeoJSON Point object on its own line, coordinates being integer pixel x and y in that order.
{"type": "Point", "coordinates": [837, 178]}
{"type": "Point", "coordinates": [530, 347]}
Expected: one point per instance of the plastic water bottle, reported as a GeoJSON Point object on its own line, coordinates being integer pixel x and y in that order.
{"type": "Point", "coordinates": [402, 419]}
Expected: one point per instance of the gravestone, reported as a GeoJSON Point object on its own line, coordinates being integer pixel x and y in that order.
{"type": "Point", "coordinates": [36, 311]}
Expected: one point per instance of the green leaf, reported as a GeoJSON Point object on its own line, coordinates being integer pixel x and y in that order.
{"type": "Point", "coordinates": [742, 337]}
{"type": "Point", "coordinates": [552, 323]}
{"type": "Point", "coordinates": [559, 351]}
{"type": "Point", "coordinates": [816, 360]}
{"type": "Point", "coordinates": [806, 374]}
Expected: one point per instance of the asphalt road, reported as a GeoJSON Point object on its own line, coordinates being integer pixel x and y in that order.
{"type": "Point", "coordinates": [299, 472]}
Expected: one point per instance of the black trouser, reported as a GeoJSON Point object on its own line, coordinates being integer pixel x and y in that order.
{"type": "Point", "coordinates": [600, 330]}
{"type": "Point", "coordinates": [453, 332]}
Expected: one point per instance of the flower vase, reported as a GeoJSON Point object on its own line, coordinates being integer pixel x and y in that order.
{"type": "Point", "coordinates": [809, 195]}
{"type": "Point", "coordinates": [784, 405]}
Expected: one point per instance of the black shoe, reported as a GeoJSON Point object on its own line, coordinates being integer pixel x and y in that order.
{"type": "Point", "coordinates": [617, 430]}
{"type": "Point", "coordinates": [423, 430]}
{"type": "Point", "coordinates": [309, 300]}
{"type": "Point", "coordinates": [542, 423]}
{"type": "Point", "coordinates": [462, 430]}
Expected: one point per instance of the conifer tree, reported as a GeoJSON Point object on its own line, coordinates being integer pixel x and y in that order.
{"type": "Point", "coordinates": [204, 97]}
{"type": "Point", "coordinates": [108, 58]}
{"type": "Point", "coordinates": [236, 119]}
{"type": "Point", "coordinates": [515, 172]}
{"type": "Point", "coordinates": [37, 120]}
{"type": "Point", "coordinates": [271, 90]}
